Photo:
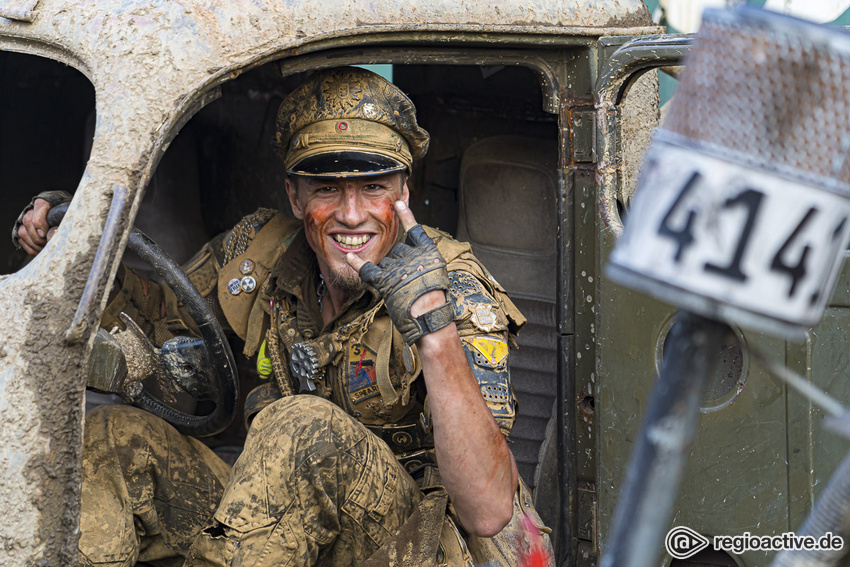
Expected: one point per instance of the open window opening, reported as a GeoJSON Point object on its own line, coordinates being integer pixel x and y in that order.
{"type": "Point", "coordinates": [47, 114]}
{"type": "Point", "coordinates": [490, 177]}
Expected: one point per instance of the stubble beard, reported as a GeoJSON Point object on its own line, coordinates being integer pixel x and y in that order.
{"type": "Point", "coordinates": [347, 280]}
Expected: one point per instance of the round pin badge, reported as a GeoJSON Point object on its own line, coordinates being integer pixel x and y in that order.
{"type": "Point", "coordinates": [246, 266]}
{"type": "Point", "coordinates": [234, 286]}
{"type": "Point", "coordinates": [248, 284]}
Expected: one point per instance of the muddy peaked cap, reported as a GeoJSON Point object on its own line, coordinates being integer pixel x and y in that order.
{"type": "Point", "coordinates": [348, 121]}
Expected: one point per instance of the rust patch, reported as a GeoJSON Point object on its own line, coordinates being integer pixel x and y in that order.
{"type": "Point", "coordinates": [586, 407]}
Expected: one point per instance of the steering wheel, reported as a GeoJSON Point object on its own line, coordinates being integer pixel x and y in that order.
{"type": "Point", "coordinates": [209, 371]}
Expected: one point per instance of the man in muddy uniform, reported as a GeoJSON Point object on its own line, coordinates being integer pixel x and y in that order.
{"type": "Point", "coordinates": [398, 331]}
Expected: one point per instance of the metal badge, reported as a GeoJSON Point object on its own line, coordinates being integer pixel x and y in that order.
{"type": "Point", "coordinates": [304, 364]}
{"type": "Point", "coordinates": [246, 266]}
{"type": "Point", "coordinates": [248, 284]}
{"type": "Point", "coordinates": [407, 357]}
{"type": "Point", "coordinates": [370, 110]}
{"type": "Point", "coordinates": [403, 439]}
{"type": "Point", "coordinates": [483, 317]}
{"type": "Point", "coordinates": [234, 286]}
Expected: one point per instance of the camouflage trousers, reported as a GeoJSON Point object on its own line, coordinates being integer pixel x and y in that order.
{"type": "Point", "coordinates": [312, 487]}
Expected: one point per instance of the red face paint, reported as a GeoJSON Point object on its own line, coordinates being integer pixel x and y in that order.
{"type": "Point", "coordinates": [350, 215]}
{"type": "Point", "coordinates": [315, 219]}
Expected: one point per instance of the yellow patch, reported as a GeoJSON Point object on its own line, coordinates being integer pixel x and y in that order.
{"type": "Point", "coordinates": [493, 351]}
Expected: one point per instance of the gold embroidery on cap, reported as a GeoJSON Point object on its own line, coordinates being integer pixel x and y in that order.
{"type": "Point", "coordinates": [301, 141]}
{"type": "Point", "coordinates": [342, 91]}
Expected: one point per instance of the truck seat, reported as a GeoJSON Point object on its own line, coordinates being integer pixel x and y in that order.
{"type": "Point", "coordinates": [508, 213]}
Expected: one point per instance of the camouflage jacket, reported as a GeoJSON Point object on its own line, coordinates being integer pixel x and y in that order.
{"type": "Point", "coordinates": [262, 279]}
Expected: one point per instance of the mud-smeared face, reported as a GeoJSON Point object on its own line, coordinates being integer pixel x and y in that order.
{"type": "Point", "coordinates": [343, 215]}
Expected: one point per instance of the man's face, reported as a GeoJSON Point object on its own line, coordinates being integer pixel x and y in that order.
{"type": "Point", "coordinates": [344, 215]}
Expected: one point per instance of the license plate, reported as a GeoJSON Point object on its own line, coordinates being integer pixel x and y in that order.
{"type": "Point", "coordinates": [732, 242]}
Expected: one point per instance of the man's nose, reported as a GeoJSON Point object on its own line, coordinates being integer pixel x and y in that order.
{"type": "Point", "coordinates": [351, 211]}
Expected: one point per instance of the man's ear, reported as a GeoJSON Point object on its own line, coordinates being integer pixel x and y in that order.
{"type": "Point", "coordinates": [405, 192]}
{"type": "Point", "coordinates": [292, 193]}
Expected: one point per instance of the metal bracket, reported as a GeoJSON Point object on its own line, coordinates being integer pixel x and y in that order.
{"type": "Point", "coordinates": [641, 54]}
{"type": "Point", "coordinates": [584, 135]}
{"type": "Point", "coordinates": [101, 262]}
{"type": "Point", "coordinates": [616, 73]}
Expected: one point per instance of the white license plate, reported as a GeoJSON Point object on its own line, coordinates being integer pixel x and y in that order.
{"type": "Point", "coordinates": [736, 242]}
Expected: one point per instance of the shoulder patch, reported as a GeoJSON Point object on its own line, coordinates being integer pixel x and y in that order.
{"type": "Point", "coordinates": [362, 377]}
{"type": "Point", "coordinates": [240, 237]}
{"type": "Point", "coordinates": [473, 305]}
{"type": "Point", "coordinates": [487, 356]}
{"type": "Point", "coordinates": [487, 350]}
{"type": "Point", "coordinates": [202, 270]}
{"type": "Point", "coordinates": [260, 242]}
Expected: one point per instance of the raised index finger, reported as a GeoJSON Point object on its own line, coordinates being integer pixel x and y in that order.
{"type": "Point", "coordinates": [406, 215]}
{"type": "Point", "coordinates": [354, 261]}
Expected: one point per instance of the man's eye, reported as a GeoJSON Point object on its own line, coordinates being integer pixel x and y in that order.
{"type": "Point", "coordinates": [325, 189]}
{"type": "Point", "coordinates": [374, 187]}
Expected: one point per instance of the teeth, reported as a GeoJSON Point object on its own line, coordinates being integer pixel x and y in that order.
{"type": "Point", "coordinates": [352, 241]}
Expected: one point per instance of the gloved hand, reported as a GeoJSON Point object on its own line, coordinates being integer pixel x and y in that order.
{"type": "Point", "coordinates": [411, 270]}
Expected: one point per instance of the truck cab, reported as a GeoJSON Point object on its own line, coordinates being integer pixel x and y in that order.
{"type": "Point", "coordinates": [161, 115]}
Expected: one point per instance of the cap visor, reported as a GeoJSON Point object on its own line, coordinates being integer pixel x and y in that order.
{"type": "Point", "coordinates": [346, 164]}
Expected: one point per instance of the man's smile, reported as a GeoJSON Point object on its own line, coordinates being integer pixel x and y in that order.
{"type": "Point", "coordinates": [351, 242]}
